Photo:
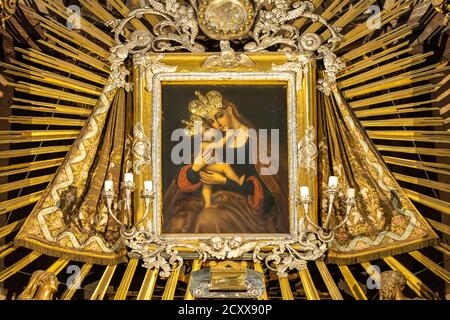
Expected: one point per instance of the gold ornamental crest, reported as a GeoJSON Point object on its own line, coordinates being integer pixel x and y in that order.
{"type": "Point", "coordinates": [226, 19]}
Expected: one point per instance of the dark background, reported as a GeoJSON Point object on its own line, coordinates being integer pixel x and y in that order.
{"type": "Point", "coordinates": [265, 106]}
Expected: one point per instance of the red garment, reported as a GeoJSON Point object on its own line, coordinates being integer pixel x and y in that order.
{"type": "Point", "coordinates": [256, 200]}
{"type": "Point", "coordinates": [183, 183]}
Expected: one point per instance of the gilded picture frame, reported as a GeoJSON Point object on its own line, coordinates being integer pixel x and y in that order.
{"type": "Point", "coordinates": [217, 79]}
{"type": "Point", "coordinates": [152, 72]}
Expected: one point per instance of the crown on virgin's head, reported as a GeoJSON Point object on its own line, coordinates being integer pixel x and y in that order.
{"type": "Point", "coordinates": [200, 108]}
{"type": "Point", "coordinates": [205, 103]}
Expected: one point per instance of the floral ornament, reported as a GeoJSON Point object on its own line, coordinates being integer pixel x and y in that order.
{"type": "Point", "coordinates": [120, 53]}
{"type": "Point", "coordinates": [307, 151]}
{"type": "Point", "coordinates": [154, 252]}
{"type": "Point", "coordinates": [141, 148]}
{"type": "Point", "coordinates": [292, 254]}
{"type": "Point", "coordinates": [271, 26]}
{"type": "Point", "coordinates": [332, 65]}
{"type": "Point", "coordinates": [179, 25]}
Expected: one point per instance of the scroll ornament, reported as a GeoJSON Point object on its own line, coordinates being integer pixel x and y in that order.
{"type": "Point", "coordinates": [177, 30]}
{"type": "Point", "coordinates": [307, 151]}
{"type": "Point", "coordinates": [7, 9]}
{"type": "Point", "coordinates": [285, 255]}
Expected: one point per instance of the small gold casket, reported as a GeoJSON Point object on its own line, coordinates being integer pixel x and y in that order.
{"type": "Point", "coordinates": [228, 276]}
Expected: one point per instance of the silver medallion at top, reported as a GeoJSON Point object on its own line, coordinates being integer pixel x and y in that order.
{"type": "Point", "coordinates": [226, 19]}
{"type": "Point", "coordinates": [257, 26]}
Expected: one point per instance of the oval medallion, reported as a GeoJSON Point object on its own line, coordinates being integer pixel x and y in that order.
{"type": "Point", "coordinates": [226, 19]}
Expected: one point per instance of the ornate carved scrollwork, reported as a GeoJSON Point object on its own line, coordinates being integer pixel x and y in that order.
{"type": "Point", "coordinates": [151, 65]}
{"type": "Point", "coordinates": [285, 255]}
{"type": "Point", "coordinates": [291, 254]}
{"type": "Point", "coordinates": [178, 29]}
{"type": "Point", "coordinates": [7, 9]}
{"type": "Point", "coordinates": [155, 252]}
{"type": "Point", "coordinates": [307, 151]}
{"type": "Point", "coordinates": [272, 26]}
{"type": "Point", "coordinates": [297, 63]}
{"type": "Point", "coordinates": [272, 29]}
{"type": "Point", "coordinates": [332, 65]}
{"type": "Point", "coordinates": [141, 148]}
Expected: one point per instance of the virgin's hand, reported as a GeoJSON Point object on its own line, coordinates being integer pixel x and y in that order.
{"type": "Point", "coordinates": [202, 159]}
{"type": "Point", "coordinates": [212, 178]}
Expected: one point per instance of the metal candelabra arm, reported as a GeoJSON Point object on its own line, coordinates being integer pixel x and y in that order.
{"type": "Point", "coordinates": [326, 232]}
{"type": "Point", "coordinates": [129, 228]}
{"type": "Point", "coordinates": [305, 201]}
{"type": "Point", "coordinates": [350, 204]}
{"type": "Point", "coordinates": [331, 191]}
{"type": "Point", "coordinates": [148, 197]}
{"type": "Point", "coordinates": [109, 196]}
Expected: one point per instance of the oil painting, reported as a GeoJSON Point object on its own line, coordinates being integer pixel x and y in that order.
{"type": "Point", "coordinates": [224, 159]}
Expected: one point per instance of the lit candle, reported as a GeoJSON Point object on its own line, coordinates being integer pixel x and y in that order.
{"type": "Point", "coordinates": [128, 177]}
{"type": "Point", "coordinates": [109, 185]}
{"type": "Point", "coordinates": [304, 191]}
{"type": "Point", "coordinates": [350, 193]}
{"type": "Point", "coordinates": [148, 186]}
{"type": "Point", "coordinates": [333, 181]}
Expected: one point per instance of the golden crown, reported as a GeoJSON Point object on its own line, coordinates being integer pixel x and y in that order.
{"type": "Point", "coordinates": [205, 103]}
{"type": "Point", "coordinates": [200, 108]}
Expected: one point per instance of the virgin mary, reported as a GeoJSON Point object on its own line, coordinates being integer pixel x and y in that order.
{"type": "Point", "coordinates": [256, 204]}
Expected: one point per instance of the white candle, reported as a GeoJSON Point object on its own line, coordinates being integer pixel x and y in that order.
{"type": "Point", "coordinates": [109, 185]}
{"type": "Point", "coordinates": [333, 181]}
{"type": "Point", "coordinates": [128, 177]}
{"type": "Point", "coordinates": [304, 191]}
{"type": "Point", "coordinates": [148, 186]}
{"type": "Point", "coordinates": [350, 193]}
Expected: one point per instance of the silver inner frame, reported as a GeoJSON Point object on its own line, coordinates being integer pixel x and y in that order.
{"type": "Point", "coordinates": [157, 147]}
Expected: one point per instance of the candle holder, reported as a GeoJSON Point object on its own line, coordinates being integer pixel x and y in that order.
{"type": "Point", "coordinates": [325, 233]}
{"type": "Point", "coordinates": [128, 228]}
